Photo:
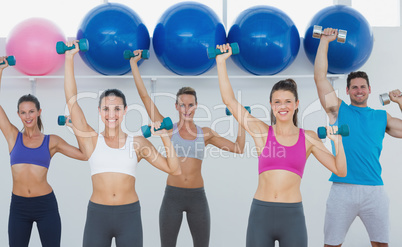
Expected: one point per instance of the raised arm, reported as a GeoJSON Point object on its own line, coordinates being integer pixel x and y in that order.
{"type": "Point", "coordinates": [145, 149]}
{"type": "Point", "coordinates": [329, 101]}
{"type": "Point", "coordinates": [152, 110]}
{"type": "Point", "coordinates": [252, 125]}
{"type": "Point", "coordinates": [337, 163]}
{"type": "Point", "coordinates": [58, 145]}
{"type": "Point", "coordinates": [10, 132]}
{"type": "Point", "coordinates": [211, 137]}
{"type": "Point", "coordinates": [394, 125]}
{"type": "Point", "coordinates": [82, 130]}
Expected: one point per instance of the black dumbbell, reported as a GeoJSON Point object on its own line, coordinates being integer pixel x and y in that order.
{"type": "Point", "coordinates": [61, 48]}
{"type": "Point", "coordinates": [166, 124]}
{"type": "Point", "coordinates": [129, 54]}
{"type": "Point", "coordinates": [228, 113]}
{"type": "Point", "coordinates": [61, 120]}
{"type": "Point", "coordinates": [317, 32]}
{"type": "Point", "coordinates": [11, 61]}
{"type": "Point", "coordinates": [213, 52]}
{"type": "Point", "coordinates": [343, 131]}
{"type": "Point", "coordinates": [385, 99]}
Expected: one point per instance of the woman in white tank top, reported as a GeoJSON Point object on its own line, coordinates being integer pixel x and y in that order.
{"type": "Point", "coordinates": [113, 210]}
{"type": "Point", "coordinates": [185, 193]}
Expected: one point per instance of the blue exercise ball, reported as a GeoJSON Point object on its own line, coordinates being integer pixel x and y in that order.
{"type": "Point", "coordinates": [182, 36]}
{"type": "Point", "coordinates": [268, 40]}
{"type": "Point", "coordinates": [342, 57]}
{"type": "Point", "coordinates": [110, 29]}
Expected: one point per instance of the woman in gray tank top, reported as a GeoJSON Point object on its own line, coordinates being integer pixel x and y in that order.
{"type": "Point", "coordinates": [185, 193]}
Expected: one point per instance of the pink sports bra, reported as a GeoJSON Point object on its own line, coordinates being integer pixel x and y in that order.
{"type": "Point", "coordinates": [275, 156]}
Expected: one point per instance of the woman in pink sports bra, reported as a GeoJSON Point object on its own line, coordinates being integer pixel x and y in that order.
{"type": "Point", "coordinates": [32, 199]}
{"type": "Point", "coordinates": [276, 212]}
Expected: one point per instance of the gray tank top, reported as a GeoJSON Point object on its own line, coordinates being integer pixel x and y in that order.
{"type": "Point", "coordinates": [189, 148]}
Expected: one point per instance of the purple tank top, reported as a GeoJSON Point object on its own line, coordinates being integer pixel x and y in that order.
{"type": "Point", "coordinates": [37, 156]}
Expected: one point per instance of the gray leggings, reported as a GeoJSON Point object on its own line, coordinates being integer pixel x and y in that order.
{"type": "Point", "coordinates": [194, 203]}
{"type": "Point", "coordinates": [271, 221]}
{"type": "Point", "coordinates": [122, 222]}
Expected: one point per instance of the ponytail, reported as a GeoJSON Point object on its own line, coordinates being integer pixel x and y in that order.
{"type": "Point", "coordinates": [285, 85]}
{"type": "Point", "coordinates": [33, 99]}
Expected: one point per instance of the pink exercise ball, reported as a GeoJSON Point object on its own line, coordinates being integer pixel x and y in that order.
{"type": "Point", "coordinates": [33, 43]}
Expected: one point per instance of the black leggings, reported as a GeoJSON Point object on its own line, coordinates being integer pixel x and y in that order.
{"type": "Point", "coordinates": [271, 221]}
{"type": "Point", "coordinates": [122, 222]}
{"type": "Point", "coordinates": [194, 203]}
{"type": "Point", "coordinates": [41, 209]}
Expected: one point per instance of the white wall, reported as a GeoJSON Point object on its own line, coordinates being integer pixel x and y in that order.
{"type": "Point", "coordinates": [230, 180]}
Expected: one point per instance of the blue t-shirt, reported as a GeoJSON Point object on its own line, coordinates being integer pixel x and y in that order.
{"type": "Point", "coordinates": [363, 145]}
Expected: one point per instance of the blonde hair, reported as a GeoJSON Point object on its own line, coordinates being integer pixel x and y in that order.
{"type": "Point", "coordinates": [186, 90]}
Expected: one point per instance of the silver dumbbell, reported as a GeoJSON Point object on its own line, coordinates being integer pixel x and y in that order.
{"type": "Point", "coordinates": [317, 32]}
{"type": "Point", "coordinates": [385, 99]}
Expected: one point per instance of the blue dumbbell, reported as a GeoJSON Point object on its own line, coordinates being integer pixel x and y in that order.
{"type": "Point", "coordinates": [228, 113]}
{"type": "Point", "coordinates": [61, 48]}
{"type": "Point", "coordinates": [343, 131]}
{"type": "Point", "coordinates": [11, 61]}
{"type": "Point", "coordinates": [166, 124]}
{"type": "Point", "coordinates": [129, 54]}
{"type": "Point", "coordinates": [213, 52]}
{"type": "Point", "coordinates": [61, 120]}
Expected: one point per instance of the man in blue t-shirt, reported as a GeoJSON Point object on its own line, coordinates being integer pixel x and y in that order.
{"type": "Point", "coordinates": [361, 192]}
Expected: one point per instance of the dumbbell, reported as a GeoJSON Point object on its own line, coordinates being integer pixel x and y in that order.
{"type": "Point", "coordinates": [213, 52]}
{"type": "Point", "coordinates": [341, 38]}
{"type": "Point", "coordinates": [61, 48]}
{"type": "Point", "coordinates": [129, 54]}
{"type": "Point", "coordinates": [11, 61]}
{"type": "Point", "coordinates": [343, 131]}
{"type": "Point", "coordinates": [228, 113]}
{"type": "Point", "coordinates": [384, 98]}
{"type": "Point", "coordinates": [166, 124]}
{"type": "Point", "coordinates": [61, 120]}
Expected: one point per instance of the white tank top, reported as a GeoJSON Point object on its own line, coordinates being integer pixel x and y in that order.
{"type": "Point", "coordinates": [106, 159]}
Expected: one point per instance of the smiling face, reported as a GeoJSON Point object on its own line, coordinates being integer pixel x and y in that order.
{"type": "Point", "coordinates": [29, 114]}
{"type": "Point", "coordinates": [186, 106]}
{"type": "Point", "coordinates": [284, 105]}
{"type": "Point", "coordinates": [358, 91]}
{"type": "Point", "coordinates": [112, 111]}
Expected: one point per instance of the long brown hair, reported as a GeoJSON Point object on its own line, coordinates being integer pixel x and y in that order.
{"type": "Point", "coordinates": [285, 85]}
{"type": "Point", "coordinates": [33, 99]}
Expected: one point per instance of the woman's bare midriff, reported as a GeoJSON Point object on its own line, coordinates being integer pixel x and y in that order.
{"type": "Point", "coordinates": [30, 180]}
{"type": "Point", "coordinates": [190, 177]}
{"type": "Point", "coordinates": [111, 188]}
{"type": "Point", "coordinates": [279, 186]}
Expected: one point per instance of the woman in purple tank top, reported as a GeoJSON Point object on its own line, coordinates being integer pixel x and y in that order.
{"type": "Point", "coordinates": [276, 212]}
{"type": "Point", "coordinates": [30, 150]}
{"type": "Point", "coordinates": [185, 193]}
